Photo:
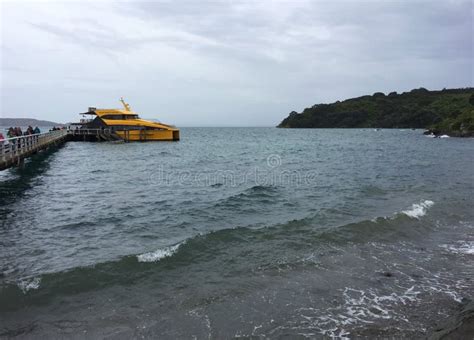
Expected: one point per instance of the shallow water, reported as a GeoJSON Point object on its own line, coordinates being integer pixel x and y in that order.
{"type": "Point", "coordinates": [237, 232]}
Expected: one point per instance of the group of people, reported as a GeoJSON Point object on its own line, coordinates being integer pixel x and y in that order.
{"type": "Point", "coordinates": [17, 132]}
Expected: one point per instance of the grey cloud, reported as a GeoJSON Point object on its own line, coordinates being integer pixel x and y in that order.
{"type": "Point", "coordinates": [357, 29]}
{"type": "Point", "coordinates": [254, 61]}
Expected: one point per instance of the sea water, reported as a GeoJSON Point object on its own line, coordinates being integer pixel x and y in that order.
{"type": "Point", "coordinates": [239, 232]}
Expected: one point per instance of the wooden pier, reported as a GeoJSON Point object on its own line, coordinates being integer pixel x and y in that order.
{"type": "Point", "coordinates": [14, 150]}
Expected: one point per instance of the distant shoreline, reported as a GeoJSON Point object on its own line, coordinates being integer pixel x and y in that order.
{"type": "Point", "coordinates": [7, 122]}
{"type": "Point", "coordinates": [445, 112]}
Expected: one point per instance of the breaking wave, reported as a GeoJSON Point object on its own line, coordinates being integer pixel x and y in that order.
{"type": "Point", "coordinates": [158, 254]}
{"type": "Point", "coordinates": [29, 284]}
{"type": "Point", "coordinates": [418, 210]}
{"type": "Point", "coordinates": [214, 245]}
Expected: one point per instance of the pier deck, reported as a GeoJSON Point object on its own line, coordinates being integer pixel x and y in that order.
{"type": "Point", "coordinates": [14, 150]}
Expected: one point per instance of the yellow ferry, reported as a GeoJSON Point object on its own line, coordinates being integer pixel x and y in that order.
{"type": "Point", "coordinates": [127, 125]}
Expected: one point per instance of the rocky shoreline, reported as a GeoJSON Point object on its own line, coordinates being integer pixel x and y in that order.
{"type": "Point", "coordinates": [451, 133]}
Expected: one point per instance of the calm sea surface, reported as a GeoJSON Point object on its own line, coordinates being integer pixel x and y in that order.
{"type": "Point", "coordinates": [239, 232]}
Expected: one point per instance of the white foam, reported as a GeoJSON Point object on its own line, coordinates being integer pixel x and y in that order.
{"type": "Point", "coordinates": [359, 307]}
{"type": "Point", "coordinates": [158, 254]}
{"type": "Point", "coordinates": [444, 136]}
{"type": "Point", "coordinates": [418, 209]}
{"type": "Point", "coordinates": [28, 284]}
{"type": "Point", "coordinates": [462, 247]}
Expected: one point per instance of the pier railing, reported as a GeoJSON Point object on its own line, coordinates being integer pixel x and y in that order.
{"type": "Point", "coordinates": [14, 150]}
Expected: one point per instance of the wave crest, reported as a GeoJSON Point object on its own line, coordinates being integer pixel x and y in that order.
{"type": "Point", "coordinates": [29, 284]}
{"type": "Point", "coordinates": [158, 254]}
{"type": "Point", "coordinates": [418, 210]}
{"type": "Point", "coordinates": [208, 246]}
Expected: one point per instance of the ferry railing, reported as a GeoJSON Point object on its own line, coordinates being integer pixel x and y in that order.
{"type": "Point", "coordinates": [16, 147]}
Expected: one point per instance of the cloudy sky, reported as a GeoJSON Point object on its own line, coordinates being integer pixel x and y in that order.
{"type": "Point", "coordinates": [225, 63]}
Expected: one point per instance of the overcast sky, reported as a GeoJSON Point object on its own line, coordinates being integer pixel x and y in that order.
{"type": "Point", "coordinates": [225, 63]}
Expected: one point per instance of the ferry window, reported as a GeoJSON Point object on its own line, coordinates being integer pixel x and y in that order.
{"type": "Point", "coordinates": [120, 117]}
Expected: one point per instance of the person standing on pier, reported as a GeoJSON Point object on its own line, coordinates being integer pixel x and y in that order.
{"type": "Point", "coordinates": [29, 131]}
{"type": "Point", "coordinates": [2, 141]}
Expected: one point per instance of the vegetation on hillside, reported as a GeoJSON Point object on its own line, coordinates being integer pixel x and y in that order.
{"type": "Point", "coordinates": [449, 111]}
